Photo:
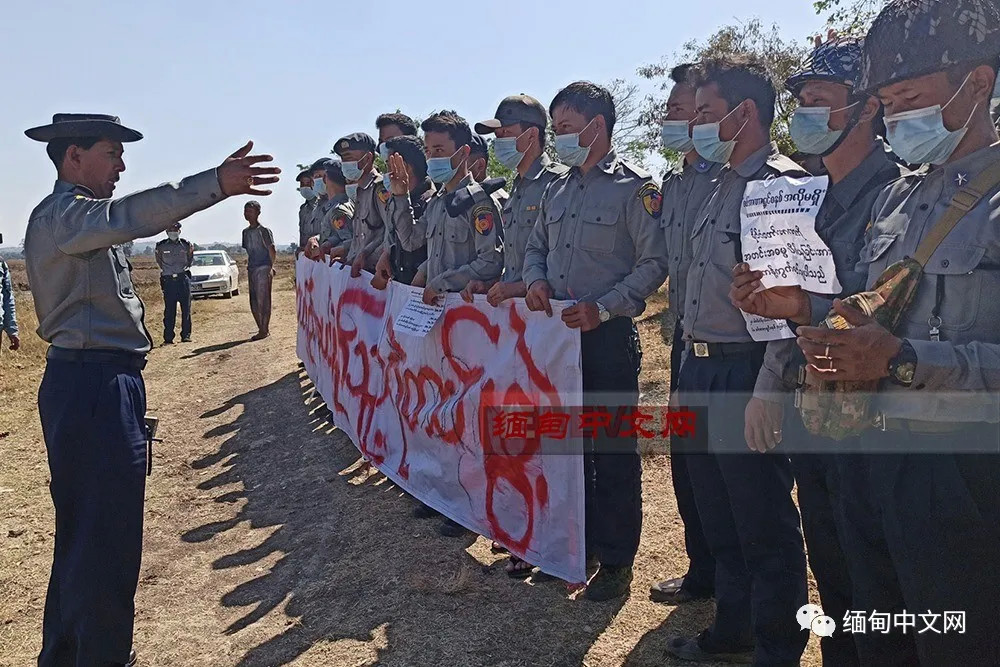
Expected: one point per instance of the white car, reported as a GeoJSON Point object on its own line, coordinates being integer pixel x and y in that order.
{"type": "Point", "coordinates": [214, 272]}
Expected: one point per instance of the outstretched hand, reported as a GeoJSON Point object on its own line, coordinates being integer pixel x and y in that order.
{"type": "Point", "coordinates": [239, 175]}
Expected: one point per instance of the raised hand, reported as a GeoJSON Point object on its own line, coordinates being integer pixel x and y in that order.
{"type": "Point", "coordinates": [397, 175]}
{"type": "Point", "coordinates": [238, 174]}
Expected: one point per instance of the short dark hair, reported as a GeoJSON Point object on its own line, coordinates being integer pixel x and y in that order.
{"type": "Point", "coordinates": [411, 149]}
{"type": "Point", "coordinates": [253, 204]}
{"type": "Point", "coordinates": [588, 99]}
{"type": "Point", "coordinates": [335, 173]}
{"type": "Point", "coordinates": [407, 125]}
{"type": "Point", "coordinates": [56, 149]}
{"type": "Point", "coordinates": [738, 79]}
{"type": "Point", "coordinates": [681, 74]}
{"type": "Point", "coordinates": [450, 123]}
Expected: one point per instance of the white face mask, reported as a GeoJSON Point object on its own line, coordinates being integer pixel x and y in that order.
{"type": "Point", "coordinates": [173, 236]}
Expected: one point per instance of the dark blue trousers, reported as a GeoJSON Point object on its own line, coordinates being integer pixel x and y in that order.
{"type": "Point", "coordinates": [611, 357]}
{"type": "Point", "coordinates": [700, 577]}
{"type": "Point", "coordinates": [748, 516]}
{"type": "Point", "coordinates": [923, 537]}
{"type": "Point", "coordinates": [93, 423]}
{"type": "Point", "coordinates": [176, 292]}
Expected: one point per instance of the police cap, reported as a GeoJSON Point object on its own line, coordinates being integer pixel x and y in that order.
{"type": "Point", "coordinates": [320, 164]}
{"type": "Point", "coordinates": [359, 141]}
{"type": "Point", "coordinates": [913, 38]}
{"type": "Point", "coordinates": [513, 110]}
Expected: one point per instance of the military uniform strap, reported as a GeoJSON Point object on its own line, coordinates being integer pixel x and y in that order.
{"type": "Point", "coordinates": [478, 193]}
{"type": "Point", "coordinates": [963, 201]}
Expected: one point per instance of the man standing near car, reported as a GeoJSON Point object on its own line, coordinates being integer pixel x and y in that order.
{"type": "Point", "coordinates": [259, 244]}
{"type": "Point", "coordinates": [174, 256]}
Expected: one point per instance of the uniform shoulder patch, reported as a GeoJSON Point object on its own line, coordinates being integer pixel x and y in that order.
{"type": "Point", "coordinates": [339, 221]}
{"type": "Point", "coordinates": [482, 216]}
{"type": "Point", "coordinates": [652, 199]}
{"type": "Point", "coordinates": [380, 192]}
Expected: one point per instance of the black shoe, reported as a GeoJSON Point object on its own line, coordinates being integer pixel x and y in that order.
{"type": "Point", "coordinates": [609, 583]}
{"type": "Point", "coordinates": [672, 591]}
{"type": "Point", "coordinates": [451, 529]}
{"type": "Point", "coordinates": [168, 342]}
{"type": "Point", "coordinates": [689, 648]}
{"type": "Point", "coordinates": [131, 659]}
{"type": "Point", "coordinates": [422, 511]}
{"type": "Point", "coordinates": [185, 339]}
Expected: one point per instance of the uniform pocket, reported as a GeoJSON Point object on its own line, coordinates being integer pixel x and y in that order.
{"type": "Point", "coordinates": [958, 302]}
{"type": "Point", "coordinates": [553, 224]}
{"type": "Point", "coordinates": [456, 230]}
{"type": "Point", "coordinates": [597, 229]}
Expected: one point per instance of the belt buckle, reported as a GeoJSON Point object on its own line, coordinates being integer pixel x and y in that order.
{"type": "Point", "coordinates": [701, 350]}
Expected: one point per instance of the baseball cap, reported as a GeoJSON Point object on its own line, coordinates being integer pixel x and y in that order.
{"type": "Point", "coordinates": [515, 109]}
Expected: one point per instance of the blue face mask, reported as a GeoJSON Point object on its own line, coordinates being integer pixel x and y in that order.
{"type": "Point", "coordinates": [920, 136]}
{"type": "Point", "coordinates": [387, 182]}
{"type": "Point", "coordinates": [708, 144]}
{"type": "Point", "coordinates": [307, 193]}
{"type": "Point", "coordinates": [383, 152]}
{"type": "Point", "coordinates": [505, 150]}
{"type": "Point", "coordinates": [351, 170]}
{"type": "Point", "coordinates": [352, 191]}
{"type": "Point", "coordinates": [675, 135]}
{"type": "Point", "coordinates": [439, 169]}
{"type": "Point", "coordinates": [570, 151]}
{"type": "Point", "coordinates": [810, 129]}
{"type": "Point", "coordinates": [319, 187]}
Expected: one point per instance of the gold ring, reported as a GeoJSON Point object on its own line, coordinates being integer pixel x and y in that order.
{"type": "Point", "coordinates": [826, 353]}
{"type": "Point", "coordinates": [250, 181]}
{"type": "Point", "coordinates": [831, 365]}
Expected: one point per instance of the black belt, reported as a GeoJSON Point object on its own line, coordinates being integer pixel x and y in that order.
{"type": "Point", "coordinates": [703, 350]}
{"type": "Point", "coordinates": [131, 360]}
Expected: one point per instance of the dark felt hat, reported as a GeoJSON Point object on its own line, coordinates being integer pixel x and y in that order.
{"type": "Point", "coordinates": [76, 125]}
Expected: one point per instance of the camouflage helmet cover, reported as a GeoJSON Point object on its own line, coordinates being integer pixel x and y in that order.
{"type": "Point", "coordinates": [837, 61]}
{"type": "Point", "coordinates": [913, 38]}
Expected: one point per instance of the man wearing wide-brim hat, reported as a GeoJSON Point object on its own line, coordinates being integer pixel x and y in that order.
{"type": "Point", "coordinates": [92, 399]}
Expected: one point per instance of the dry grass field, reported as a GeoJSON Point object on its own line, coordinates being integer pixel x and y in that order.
{"type": "Point", "coordinates": [268, 542]}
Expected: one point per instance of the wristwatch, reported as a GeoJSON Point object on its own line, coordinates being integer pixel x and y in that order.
{"type": "Point", "coordinates": [603, 313]}
{"type": "Point", "coordinates": [903, 366]}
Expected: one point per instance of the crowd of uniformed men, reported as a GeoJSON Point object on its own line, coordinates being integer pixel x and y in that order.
{"type": "Point", "coordinates": [904, 518]}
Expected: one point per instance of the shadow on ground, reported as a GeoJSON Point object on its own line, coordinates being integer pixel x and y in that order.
{"type": "Point", "coordinates": [353, 564]}
{"type": "Point", "coordinates": [221, 347]}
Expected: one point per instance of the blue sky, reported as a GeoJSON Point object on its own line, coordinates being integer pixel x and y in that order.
{"type": "Point", "coordinates": [200, 78]}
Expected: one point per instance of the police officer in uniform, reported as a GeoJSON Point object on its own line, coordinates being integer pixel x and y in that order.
{"type": "Point", "coordinates": [922, 514]}
{"type": "Point", "coordinates": [366, 189]}
{"type": "Point", "coordinates": [305, 181]}
{"type": "Point", "coordinates": [684, 192]}
{"type": "Point", "coordinates": [396, 262]}
{"type": "Point", "coordinates": [336, 228]}
{"type": "Point", "coordinates": [314, 225]}
{"type": "Point", "coordinates": [519, 124]}
{"type": "Point", "coordinates": [92, 400]}
{"type": "Point", "coordinates": [838, 123]}
{"type": "Point", "coordinates": [597, 240]}
{"type": "Point", "coordinates": [745, 504]}
{"type": "Point", "coordinates": [174, 256]}
{"type": "Point", "coordinates": [462, 241]}
{"type": "Point", "coordinates": [479, 160]}
{"type": "Point", "coordinates": [458, 225]}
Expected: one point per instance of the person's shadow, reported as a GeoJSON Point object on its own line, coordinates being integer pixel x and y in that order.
{"type": "Point", "coordinates": [220, 347]}
{"type": "Point", "coordinates": [354, 565]}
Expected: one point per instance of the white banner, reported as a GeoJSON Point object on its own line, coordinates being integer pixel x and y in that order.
{"type": "Point", "coordinates": [417, 406]}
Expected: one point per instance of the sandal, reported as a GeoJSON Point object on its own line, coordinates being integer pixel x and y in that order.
{"type": "Point", "coordinates": [517, 568]}
{"type": "Point", "coordinates": [498, 548]}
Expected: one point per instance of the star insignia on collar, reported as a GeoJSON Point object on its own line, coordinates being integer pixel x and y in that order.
{"type": "Point", "coordinates": [961, 179]}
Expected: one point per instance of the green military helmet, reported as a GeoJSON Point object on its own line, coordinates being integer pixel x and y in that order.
{"type": "Point", "coordinates": [913, 38]}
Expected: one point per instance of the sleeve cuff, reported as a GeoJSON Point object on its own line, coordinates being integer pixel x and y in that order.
{"type": "Point", "coordinates": [532, 275]}
{"type": "Point", "coordinates": [820, 307]}
{"type": "Point", "coordinates": [615, 304]}
{"type": "Point", "coordinates": [935, 360]}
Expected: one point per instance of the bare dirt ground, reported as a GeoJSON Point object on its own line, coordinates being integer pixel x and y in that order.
{"type": "Point", "coordinates": [267, 541]}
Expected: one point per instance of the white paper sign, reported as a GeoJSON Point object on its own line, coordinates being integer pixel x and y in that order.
{"type": "Point", "coordinates": [762, 329]}
{"type": "Point", "coordinates": [417, 318]}
{"type": "Point", "coordinates": [778, 219]}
